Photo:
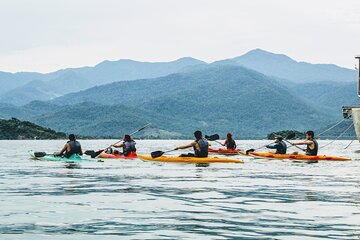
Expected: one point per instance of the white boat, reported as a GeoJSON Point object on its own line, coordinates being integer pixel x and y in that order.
{"type": "Point", "coordinates": [354, 111]}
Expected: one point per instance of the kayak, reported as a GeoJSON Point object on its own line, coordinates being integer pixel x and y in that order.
{"type": "Point", "coordinates": [223, 151]}
{"type": "Point", "coordinates": [52, 157]}
{"type": "Point", "coordinates": [113, 155]}
{"type": "Point", "coordinates": [298, 156]}
{"type": "Point", "coordinates": [191, 159]}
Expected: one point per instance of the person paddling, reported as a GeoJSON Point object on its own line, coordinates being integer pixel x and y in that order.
{"type": "Point", "coordinates": [200, 146]}
{"type": "Point", "coordinates": [128, 146]}
{"type": "Point", "coordinates": [279, 145]}
{"type": "Point", "coordinates": [312, 145]}
{"type": "Point", "coordinates": [71, 147]}
{"type": "Point", "coordinates": [229, 142]}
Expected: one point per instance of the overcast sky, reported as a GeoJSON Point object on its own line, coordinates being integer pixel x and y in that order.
{"type": "Point", "coordinates": [46, 35]}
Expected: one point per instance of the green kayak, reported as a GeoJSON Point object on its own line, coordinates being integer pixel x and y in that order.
{"type": "Point", "coordinates": [52, 157]}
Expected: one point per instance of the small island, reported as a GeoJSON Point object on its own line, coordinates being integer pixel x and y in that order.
{"type": "Point", "coordinates": [284, 133]}
{"type": "Point", "coordinates": [14, 129]}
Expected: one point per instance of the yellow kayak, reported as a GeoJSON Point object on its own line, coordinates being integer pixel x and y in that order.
{"type": "Point", "coordinates": [298, 157]}
{"type": "Point", "coordinates": [191, 159]}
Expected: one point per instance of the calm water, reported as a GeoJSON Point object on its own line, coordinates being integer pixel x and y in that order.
{"type": "Point", "coordinates": [132, 199]}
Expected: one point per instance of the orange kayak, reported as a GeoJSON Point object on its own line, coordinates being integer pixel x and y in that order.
{"type": "Point", "coordinates": [113, 155]}
{"type": "Point", "coordinates": [223, 151]}
{"type": "Point", "coordinates": [298, 157]}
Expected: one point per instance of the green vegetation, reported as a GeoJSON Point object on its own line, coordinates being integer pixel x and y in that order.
{"type": "Point", "coordinates": [16, 129]}
{"type": "Point", "coordinates": [216, 98]}
{"type": "Point", "coordinates": [284, 133]}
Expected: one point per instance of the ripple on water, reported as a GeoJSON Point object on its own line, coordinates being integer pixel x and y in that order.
{"type": "Point", "coordinates": [261, 199]}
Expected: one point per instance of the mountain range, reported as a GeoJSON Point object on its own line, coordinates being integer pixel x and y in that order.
{"type": "Point", "coordinates": [23, 88]}
{"type": "Point", "coordinates": [250, 95]}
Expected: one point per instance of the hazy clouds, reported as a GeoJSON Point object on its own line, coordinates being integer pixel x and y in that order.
{"type": "Point", "coordinates": [45, 35]}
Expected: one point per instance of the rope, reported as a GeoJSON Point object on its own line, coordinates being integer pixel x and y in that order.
{"type": "Point", "coordinates": [338, 136]}
{"type": "Point", "coordinates": [332, 127]}
{"type": "Point", "coordinates": [349, 144]}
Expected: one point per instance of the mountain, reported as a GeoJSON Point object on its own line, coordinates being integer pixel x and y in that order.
{"type": "Point", "coordinates": [91, 119]}
{"type": "Point", "coordinates": [282, 66]}
{"type": "Point", "coordinates": [22, 89]}
{"type": "Point", "coordinates": [9, 81]}
{"type": "Point", "coordinates": [112, 71]}
{"type": "Point", "coordinates": [35, 89]}
{"type": "Point", "coordinates": [330, 96]}
{"type": "Point", "coordinates": [16, 129]}
{"type": "Point", "coordinates": [216, 99]}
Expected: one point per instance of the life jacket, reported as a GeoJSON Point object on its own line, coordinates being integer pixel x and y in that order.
{"type": "Point", "coordinates": [312, 152]}
{"type": "Point", "coordinates": [230, 144]}
{"type": "Point", "coordinates": [282, 148]}
{"type": "Point", "coordinates": [75, 148]}
{"type": "Point", "coordinates": [204, 147]}
{"type": "Point", "coordinates": [129, 147]}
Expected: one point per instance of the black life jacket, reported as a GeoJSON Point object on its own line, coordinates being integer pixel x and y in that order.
{"type": "Point", "coordinates": [312, 152]}
{"type": "Point", "coordinates": [282, 149]}
{"type": "Point", "coordinates": [204, 147]}
{"type": "Point", "coordinates": [230, 144]}
{"type": "Point", "coordinates": [129, 147]}
{"type": "Point", "coordinates": [75, 148]}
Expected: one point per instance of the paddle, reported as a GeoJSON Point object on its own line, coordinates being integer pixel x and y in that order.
{"type": "Point", "coordinates": [290, 136]}
{"type": "Point", "coordinates": [295, 145]}
{"type": "Point", "coordinates": [94, 154]}
{"type": "Point", "coordinates": [157, 154]}
{"type": "Point", "coordinates": [41, 154]}
{"type": "Point", "coordinates": [213, 137]}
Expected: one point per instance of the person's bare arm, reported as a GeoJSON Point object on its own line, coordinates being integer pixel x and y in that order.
{"type": "Point", "coordinates": [118, 145]}
{"type": "Point", "coordinates": [64, 149]}
{"type": "Point", "coordinates": [81, 152]}
{"type": "Point", "coordinates": [186, 146]}
{"type": "Point", "coordinates": [303, 143]}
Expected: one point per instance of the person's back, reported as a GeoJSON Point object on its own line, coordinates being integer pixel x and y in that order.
{"type": "Point", "coordinates": [312, 145]}
{"type": "Point", "coordinates": [314, 151]}
{"type": "Point", "coordinates": [279, 145]}
{"type": "Point", "coordinates": [129, 145]}
{"type": "Point", "coordinates": [281, 149]}
{"type": "Point", "coordinates": [203, 148]}
{"type": "Point", "coordinates": [200, 146]}
{"type": "Point", "coordinates": [71, 147]}
{"type": "Point", "coordinates": [230, 142]}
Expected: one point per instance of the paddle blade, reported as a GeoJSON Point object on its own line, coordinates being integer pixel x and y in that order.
{"type": "Point", "coordinates": [89, 152]}
{"type": "Point", "coordinates": [157, 154]}
{"type": "Point", "coordinates": [250, 150]}
{"type": "Point", "coordinates": [212, 137]}
{"type": "Point", "coordinates": [39, 154]}
{"type": "Point", "coordinates": [97, 153]}
{"type": "Point", "coordinates": [290, 136]}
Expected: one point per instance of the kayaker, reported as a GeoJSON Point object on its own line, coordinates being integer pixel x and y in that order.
{"type": "Point", "coordinates": [71, 147]}
{"type": "Point", "coordinates": [128, 146]}
{"type": "Point", "coordinates": [279, 145]}
{"type": "Point", "coordinates": [200, 146]}
{"type": "Point", "coordinates": [229, 142]}
{"type": "Point", "coordinates": [312, 145]}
